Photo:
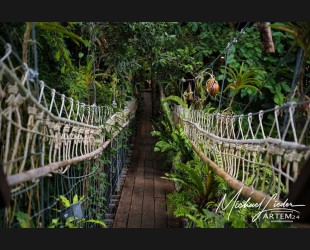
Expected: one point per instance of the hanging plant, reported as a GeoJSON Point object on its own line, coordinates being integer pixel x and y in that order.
{"type": "Point", "coordinates": [212, 86]}
{"type": "Point", "coordinates": [190, 92]}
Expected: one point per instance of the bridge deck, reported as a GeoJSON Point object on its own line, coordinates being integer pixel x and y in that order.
{"type": "Point", "coordinates": [143, 199]}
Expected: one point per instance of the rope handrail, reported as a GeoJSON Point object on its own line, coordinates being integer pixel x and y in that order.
{"type": "Point", "coordinates": [33, 174]}
{"type": "Point", "coordinates": [251, 121]}
{"type": "Point", "coordinates": [259, 142]}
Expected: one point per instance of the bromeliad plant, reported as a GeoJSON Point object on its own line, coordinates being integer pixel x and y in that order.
{"type": "Point", "coordinates": [195, 201]}
{"type": "Point", "coordinates": [194, 177]}
{"type": "Point", "coordinates": [243, 78]}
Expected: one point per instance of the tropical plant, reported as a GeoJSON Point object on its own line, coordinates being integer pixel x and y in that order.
{"type": "Point", "coordinates": [204, 218]}
{"type": "Point", "coordinates": [175, 144]}
{"type": "Point", "coordinates": [72, 221]}
{"type": "Point", "coordinates": [196, 178]}
{"type": "Point", "coordinates": [24, 220]}
{"type": "Point", "coordinates": [243, 78]}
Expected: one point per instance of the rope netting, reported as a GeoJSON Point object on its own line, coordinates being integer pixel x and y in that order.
{"type": "Point", "coordinates": [263, 151]}
{"type": "Point", "coordinates": [74, 146]}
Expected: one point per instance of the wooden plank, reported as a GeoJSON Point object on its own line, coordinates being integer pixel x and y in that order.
{"type": "Point", "coordinates": [159, 187]}
{"type": "Point", "coordinates": [160, 213]}
{"type": "Point", "coordinates": [169, 186]}
{"type": "Point", "coordinates": [140, 128]}
{"type": "Point", "coordinates": [157, 172]}
{"type": "Point", "coordinates": [148, 129]}
{"type": "Point", "coordinates": [143, 129]}
{"type": "Point", "coordinates": [135, 155]}
{"type": "Point", "coordinates": [158, 160]}
{"type": "Point", "coordinates": [159, 183]}
{"type": "Point", "coordinates": [135, 213]}
{"type": "Point", "coordinates": [122, 212]}
{"type": "Point", "coordinates": [140, 169]}
{"type": "Point", "coordinates": [148, 153]}
{"type": "Point", "coordinates": [127, 190]}
{"type": "Point", "coordinates": [148, 174]}
{"type": "Point", "coordinates": [121, 218]}
{"type": "Point", "coordinates": [148, 205]}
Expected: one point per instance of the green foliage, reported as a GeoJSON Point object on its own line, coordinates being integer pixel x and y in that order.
{"type": "Point", "coordinates": [73, 222]}
{"type": "Point", "coordinates": [204, 218]}
{"type": "Point", "coordinates": [175, 99]}
{"type": "Point", "coordinates": [69, 57]}
{"type": "Point", "coordinates": [24, 220]}
{"type": "Point", "coordinates": [55, 35]}
{"type": "Point", "coordinates": [57, 28]}
{"type": "Point", "coordinates": [194, 178]}
{"type": "Point", "coordinates": [176, 203]}
{"type": "Point", "coordinates": [173, 142]}
{"type": "Point", "coordinates": [205, 37]}
{"type": "Point", "coordinates": [85, 79]}
{"type": "Point", "coordinates": [66, 202]}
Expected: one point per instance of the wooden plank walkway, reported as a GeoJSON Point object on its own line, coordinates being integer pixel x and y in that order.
{"type": "Point", "coordinates": [143, 199]}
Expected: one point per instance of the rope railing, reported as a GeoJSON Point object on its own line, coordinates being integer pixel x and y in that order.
{"type": "Point", "coordinates": [252, 149]}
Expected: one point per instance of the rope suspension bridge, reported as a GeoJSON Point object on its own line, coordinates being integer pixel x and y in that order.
{"type": "Point", "coordinates": [61, 158]}
{"type": "Point", "coordinates": [58, 137]}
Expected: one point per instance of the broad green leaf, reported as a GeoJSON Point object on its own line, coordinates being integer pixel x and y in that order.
{"type": "Point", "coordinates": [75, 199]}
{"type": "Point", "coordinates": [253, 88]}
{"type": "Point", "coordinates": [194, 178]}
{"type": "Point", "coordinates": [64, 201]}
{"type": "Point", "coordinates": [285, 87]}
{"type": "Point", "coordinates": [24, 220]}
{"type": "Point", "coordinates": [55, 222]}
{"type": "Point", "coordinates": [230, 86]}
{"type": "Point", "coordinates": [278, 98]}
{"type": "Point", "coordinates": [57, 55]}
{"type": "Point", "coordinates": [82, 198]}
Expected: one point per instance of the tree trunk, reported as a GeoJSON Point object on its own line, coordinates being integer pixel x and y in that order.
{"type": "Point", "coordinates": [25, 41]}
{"type": "Point", "coordinates": [266, 37]}
{"type": "Point", "coordinates": [301, 76]}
